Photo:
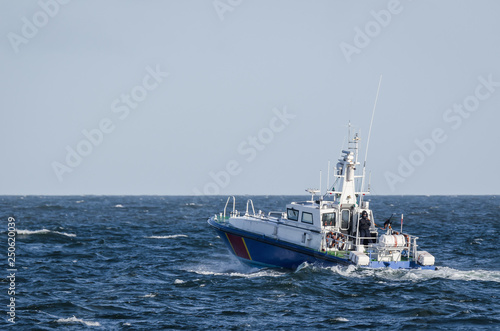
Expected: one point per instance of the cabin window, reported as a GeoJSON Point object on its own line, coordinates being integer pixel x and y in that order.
{"type": "Point", "coordinates": [307, 218]}
{"type": "Point", "coordinates": [292, 214]}
{"type": "Point", "coordinates": [346, 215]}
{"type": "Point", "coordinates": [328, 219]}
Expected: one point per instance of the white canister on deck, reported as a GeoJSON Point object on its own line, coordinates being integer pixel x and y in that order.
{"type": "Point", "coordinates": [394, 240]}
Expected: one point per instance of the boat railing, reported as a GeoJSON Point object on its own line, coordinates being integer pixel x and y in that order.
{"type": "Point", "coordinates": [248, 212]}
{"type": "Point", "coordinates": [234, 206]}
{"type": "Point", "coordinates": [410, 246]}
{"type": "Point", "coordinates": [414, 246]}
{"type": "Point", "coordinates": [343, 242]}
{"type": "Point", "coordinates": [359, 240]}
{"type": "Point", "coordinates": [250, 202]}
{"type": "Point", "coordinates": [339, 241]}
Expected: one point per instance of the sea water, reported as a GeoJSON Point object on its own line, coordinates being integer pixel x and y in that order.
{"type": "Point", "coordinates": [152, 262]}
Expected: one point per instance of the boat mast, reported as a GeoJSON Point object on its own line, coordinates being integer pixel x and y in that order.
{"type": "Point", "coordinates": [345, 170]}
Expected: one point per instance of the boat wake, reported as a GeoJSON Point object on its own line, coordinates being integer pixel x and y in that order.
{"type": "Point", "coordinates": [467, 275]}
{"type": "Point", "coordinates": [235, 269]}
{"type": "Point", "coordinates": [417, 275]}
{"type": "Point", "coordinates": [255, 274]}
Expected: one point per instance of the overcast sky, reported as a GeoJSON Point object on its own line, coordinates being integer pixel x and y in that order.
{"type": "Point", "coordinates": [247, 97]}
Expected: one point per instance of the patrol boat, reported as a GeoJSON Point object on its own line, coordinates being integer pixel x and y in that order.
{"type": "Point", "coordinates": [325, 231]}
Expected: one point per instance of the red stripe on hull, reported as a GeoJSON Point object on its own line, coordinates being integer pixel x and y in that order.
{"type": "Point", "coordinates": [238, 245]}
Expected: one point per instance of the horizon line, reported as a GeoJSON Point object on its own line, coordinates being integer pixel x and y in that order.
{"type": "Point", "coordinates": [223, 195]}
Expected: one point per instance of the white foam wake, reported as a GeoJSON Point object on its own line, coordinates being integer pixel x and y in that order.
{"type": "Point", "coordinates": [43, 231]}
{"type": "Point", "coordinates": [467, 275]}
{"type": "Point", "coordinates": [235, 274]}
{"type": "Point", "coordinates": [73, 319]}
{"type": "Point", "coordinates": [168, 237]}
{"type": "Point", "coordinates": [418, 275]}
{"type": "Point", "coordinates": [251, 273]}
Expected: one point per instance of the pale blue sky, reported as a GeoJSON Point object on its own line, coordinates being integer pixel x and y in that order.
{"type": "Point", "coordinates": [273, 70]}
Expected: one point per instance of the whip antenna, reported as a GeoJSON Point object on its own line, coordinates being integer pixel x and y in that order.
{"type": "Point", "coordinates": [370, 132]}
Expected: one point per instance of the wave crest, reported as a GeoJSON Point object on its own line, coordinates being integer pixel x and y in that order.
{"type": "Point", "coordinates": [43, 231]}
{"type": "Point", "coordinates": [173, 236]}
{"type": "Point", "coordinates": [74, 319]}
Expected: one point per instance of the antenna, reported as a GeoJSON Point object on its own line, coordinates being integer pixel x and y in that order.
{"type": "Point", "coordinates": [320, 182]}
{"type": "Point", "coordinates": [328, 177]}
{"type": "Point", "coordinates": [369, 133]}
{"type": "Point", "coordinates": [348, 133]}
{"type": "Point", "coordinates": [369, 181]}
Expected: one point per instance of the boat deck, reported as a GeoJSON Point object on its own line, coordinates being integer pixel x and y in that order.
{"type": "Point", "coordinates": [341, 254]}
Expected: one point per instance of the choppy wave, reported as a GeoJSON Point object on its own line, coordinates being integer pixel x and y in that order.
{"type": "Point", "coordinates": [43, 231]}
{"type": "Point", "coordinates": [74, 319]}
{"type": "Point", "coordinates": [118, 206]}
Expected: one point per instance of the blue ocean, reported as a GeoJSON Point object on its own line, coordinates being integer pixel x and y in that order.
{"type": "Point", "coordinates": [152, 262]}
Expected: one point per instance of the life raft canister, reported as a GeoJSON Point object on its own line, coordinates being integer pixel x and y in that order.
{"type": "Point", "coordinates": [392, 240]}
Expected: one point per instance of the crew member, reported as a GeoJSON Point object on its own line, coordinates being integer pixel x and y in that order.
{"type": "Point", "coordinates": [364, 228]}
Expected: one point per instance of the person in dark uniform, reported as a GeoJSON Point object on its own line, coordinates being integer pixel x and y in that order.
{"type": "Point", "coordinates": [364, 227]}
